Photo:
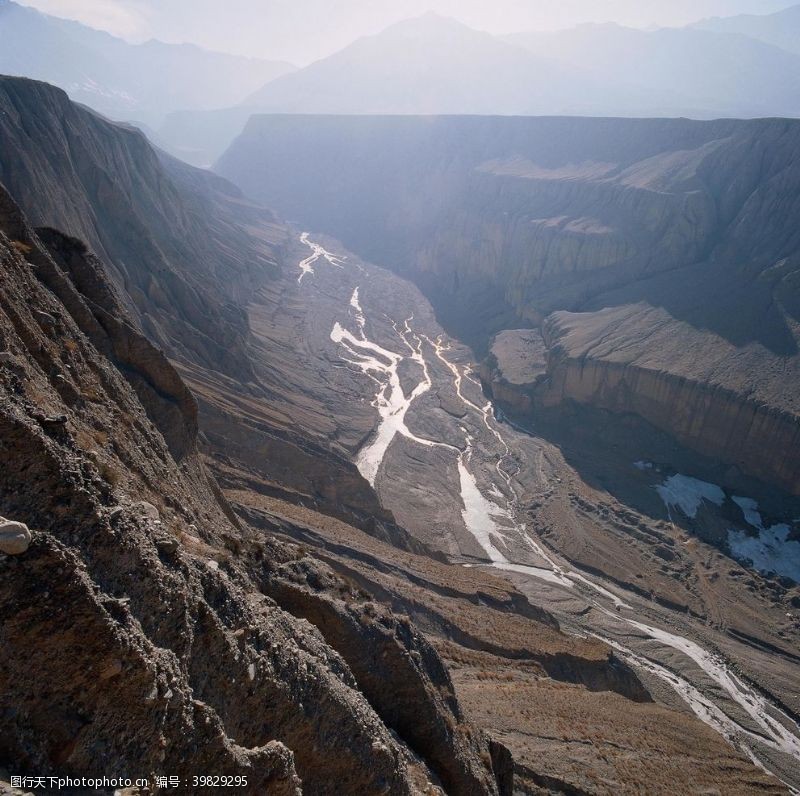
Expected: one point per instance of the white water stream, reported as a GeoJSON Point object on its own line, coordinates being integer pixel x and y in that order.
{"type": "Point", "coordinates": [307, 266]}
{"type": "Point", "coordinates": [492, 524]}
{"type": "Point", "coordinates": [773, 732]}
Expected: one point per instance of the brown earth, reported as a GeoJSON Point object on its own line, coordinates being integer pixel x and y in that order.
{"type": "Point", "coordinates": [140, 636]}
{"type": "Point", "coordinates": [259, 632]}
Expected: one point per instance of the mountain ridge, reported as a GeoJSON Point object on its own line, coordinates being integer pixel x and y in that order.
{"type": "Point", "coordinates": [712, 73]}
{"type": "Point", "coordinates": [124, 81]}
{"type": "Point", "coordinates": [236, 596]}
{"type": "Point", "coordinates": [779, 28]}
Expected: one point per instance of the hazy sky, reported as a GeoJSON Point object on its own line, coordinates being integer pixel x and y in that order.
{"type": "Point", "coordinates": [304, 30]}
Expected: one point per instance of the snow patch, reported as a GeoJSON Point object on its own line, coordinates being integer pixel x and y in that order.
{"type": "Point", "coordinates": [749, 508]}
{"type": "Point", "coordinates": [688, 493]}
{"type": "Point", "coordinates": [770, 551]}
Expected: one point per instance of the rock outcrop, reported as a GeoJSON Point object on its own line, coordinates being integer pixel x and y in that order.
{"type": "Point", "coordinates": [159, 622]}
{"type": "Point", "coordinates": [15, 537]}
{"type": "Point", "coordinates": [725, 402]}
{"type": "Point", "coordinates": [185, 252]}
{"type": "Point", "coordinates": [157, 643]}
{"type": "Point", "coordinates": [516, 363]}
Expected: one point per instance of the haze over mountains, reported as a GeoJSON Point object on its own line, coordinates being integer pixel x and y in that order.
{"type": "Point", "coordinates": [744, 66]}
{"type": "Point", "coordinates": [128, 82]}
{"type": "Point", "coordinates": [685, 72]}
{"type": "Point", "coordinates": [781, 29]}
{"type": "Point", "coordinates": [436, 65]}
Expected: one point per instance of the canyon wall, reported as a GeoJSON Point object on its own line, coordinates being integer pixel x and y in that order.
{"type": "Point", "coordinates": [141, 617]}
{"type": "Point", "coordinates": [505, 221]}
{"type": "Point", "coordinates": [184, 252]}
{"type": "Point", "coordinates": [736, 426]}
{"type": "Point", "coordinates": [180, 628]}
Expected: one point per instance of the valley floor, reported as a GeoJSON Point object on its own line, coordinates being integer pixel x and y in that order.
{"type": "Point", "coordinates": [387, 387]}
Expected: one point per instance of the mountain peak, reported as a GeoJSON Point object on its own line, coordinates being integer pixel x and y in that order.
{"type": "Point", "coordinates": [428, 23]}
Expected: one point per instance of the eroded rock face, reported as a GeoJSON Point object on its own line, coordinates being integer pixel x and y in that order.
{"type": "Point", "coordinates": [185, 253]}
{"type": "Point", "coordinates": [725, 402]}
{"type": "Point", "coordinates": [754, 428]}
{"type": "Point", "coordinates": [516, 363]}
{"type": "Point", "coordinates": [157, 644]}
{"type": "Point", "coordinates": [398, 670]}
{"type": "Point", "coordinates": [162, 229]}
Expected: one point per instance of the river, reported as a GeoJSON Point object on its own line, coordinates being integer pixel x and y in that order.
{"type": "Point", "coordinates": [491, 515]}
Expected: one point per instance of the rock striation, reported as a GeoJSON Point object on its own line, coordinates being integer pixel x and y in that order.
{"type": "Point", "coordinates": [166, 232]}
{"type": "Point", "coordinates": [163, 621]}
{"type": "Point", "coordinates": [723, 401]}
{"type": "Point", "coordinates": [185, 253]}
{"type": "Point", "coordinates": [158, 643]}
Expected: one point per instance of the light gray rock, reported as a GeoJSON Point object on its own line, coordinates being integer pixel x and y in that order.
{"type": "Point", "coordinates": [14, 537]}
{"type": "Point", "coordinates": [167, 545]}
{"type": "Point", "coordinates": [147, 510]}
{"type": "Point", "coordinates": [44, 319]}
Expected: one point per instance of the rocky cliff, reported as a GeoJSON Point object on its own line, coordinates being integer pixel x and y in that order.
{"type": "Point", "coordinates": [155, 620]}
{"type": "Point", "coordinates": [150, 612]}
{"type": "Point", "coordinates": [104, 184]}
{"type": "Point", "coordinates": [166, 633]}
{"type": "Point", "coordinates": [503, 221]}
{"type": "Point", "coordinates": [185, 252]}
{"type": "Point", "coordinates": [723, 401]}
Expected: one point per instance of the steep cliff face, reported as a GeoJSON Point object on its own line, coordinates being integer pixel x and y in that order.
{"type": "Point", "coordinates": [734, 404]}
{"type": "Point", "coordinates": [186, 253]}
{"type": "Point", "coordinates": [541, 212]}
{"type": "Point", "coordinates": [730, 403]}
{"type": "Point", "coordinates": [515, 365]}
{"type": "Point", "coordinates": [503, 221]}
{"type": "Point", "coordinates": [173, 238]}
{"type": "Point", "coordinates": [141, 602]}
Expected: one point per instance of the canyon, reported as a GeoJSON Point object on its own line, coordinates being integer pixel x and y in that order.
{"type": "Point", "coordinates": [436, 444]}
{"type": "Point", "coordinates": [292, 518]}
{"type": "Point", "coordinates": [656, 257]}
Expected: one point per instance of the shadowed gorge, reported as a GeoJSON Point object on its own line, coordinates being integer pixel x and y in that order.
{"type": "Point", "coordinates": [515, 221]}
{"type": "Point", "coordinates": [215, 520]}
{"type": "Point", "coordinates": [403, 451]}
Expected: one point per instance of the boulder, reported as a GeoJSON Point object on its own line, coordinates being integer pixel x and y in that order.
{"type": "Point", "coordinates": [14, 537]}
{"type": "Point", "coordinates": [147, 510]}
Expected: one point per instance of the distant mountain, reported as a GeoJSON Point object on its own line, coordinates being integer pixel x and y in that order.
{"type": "Point", "coordinates": [426, 65]}
{"type": "Point", "coordinates": [432, 64]}
{"type": "Point", "coordinates": [717, 74]}
{"type": "Point", "coordinates": [122, 80]}
{"type": "Point", "coordinates": [781, 29]}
